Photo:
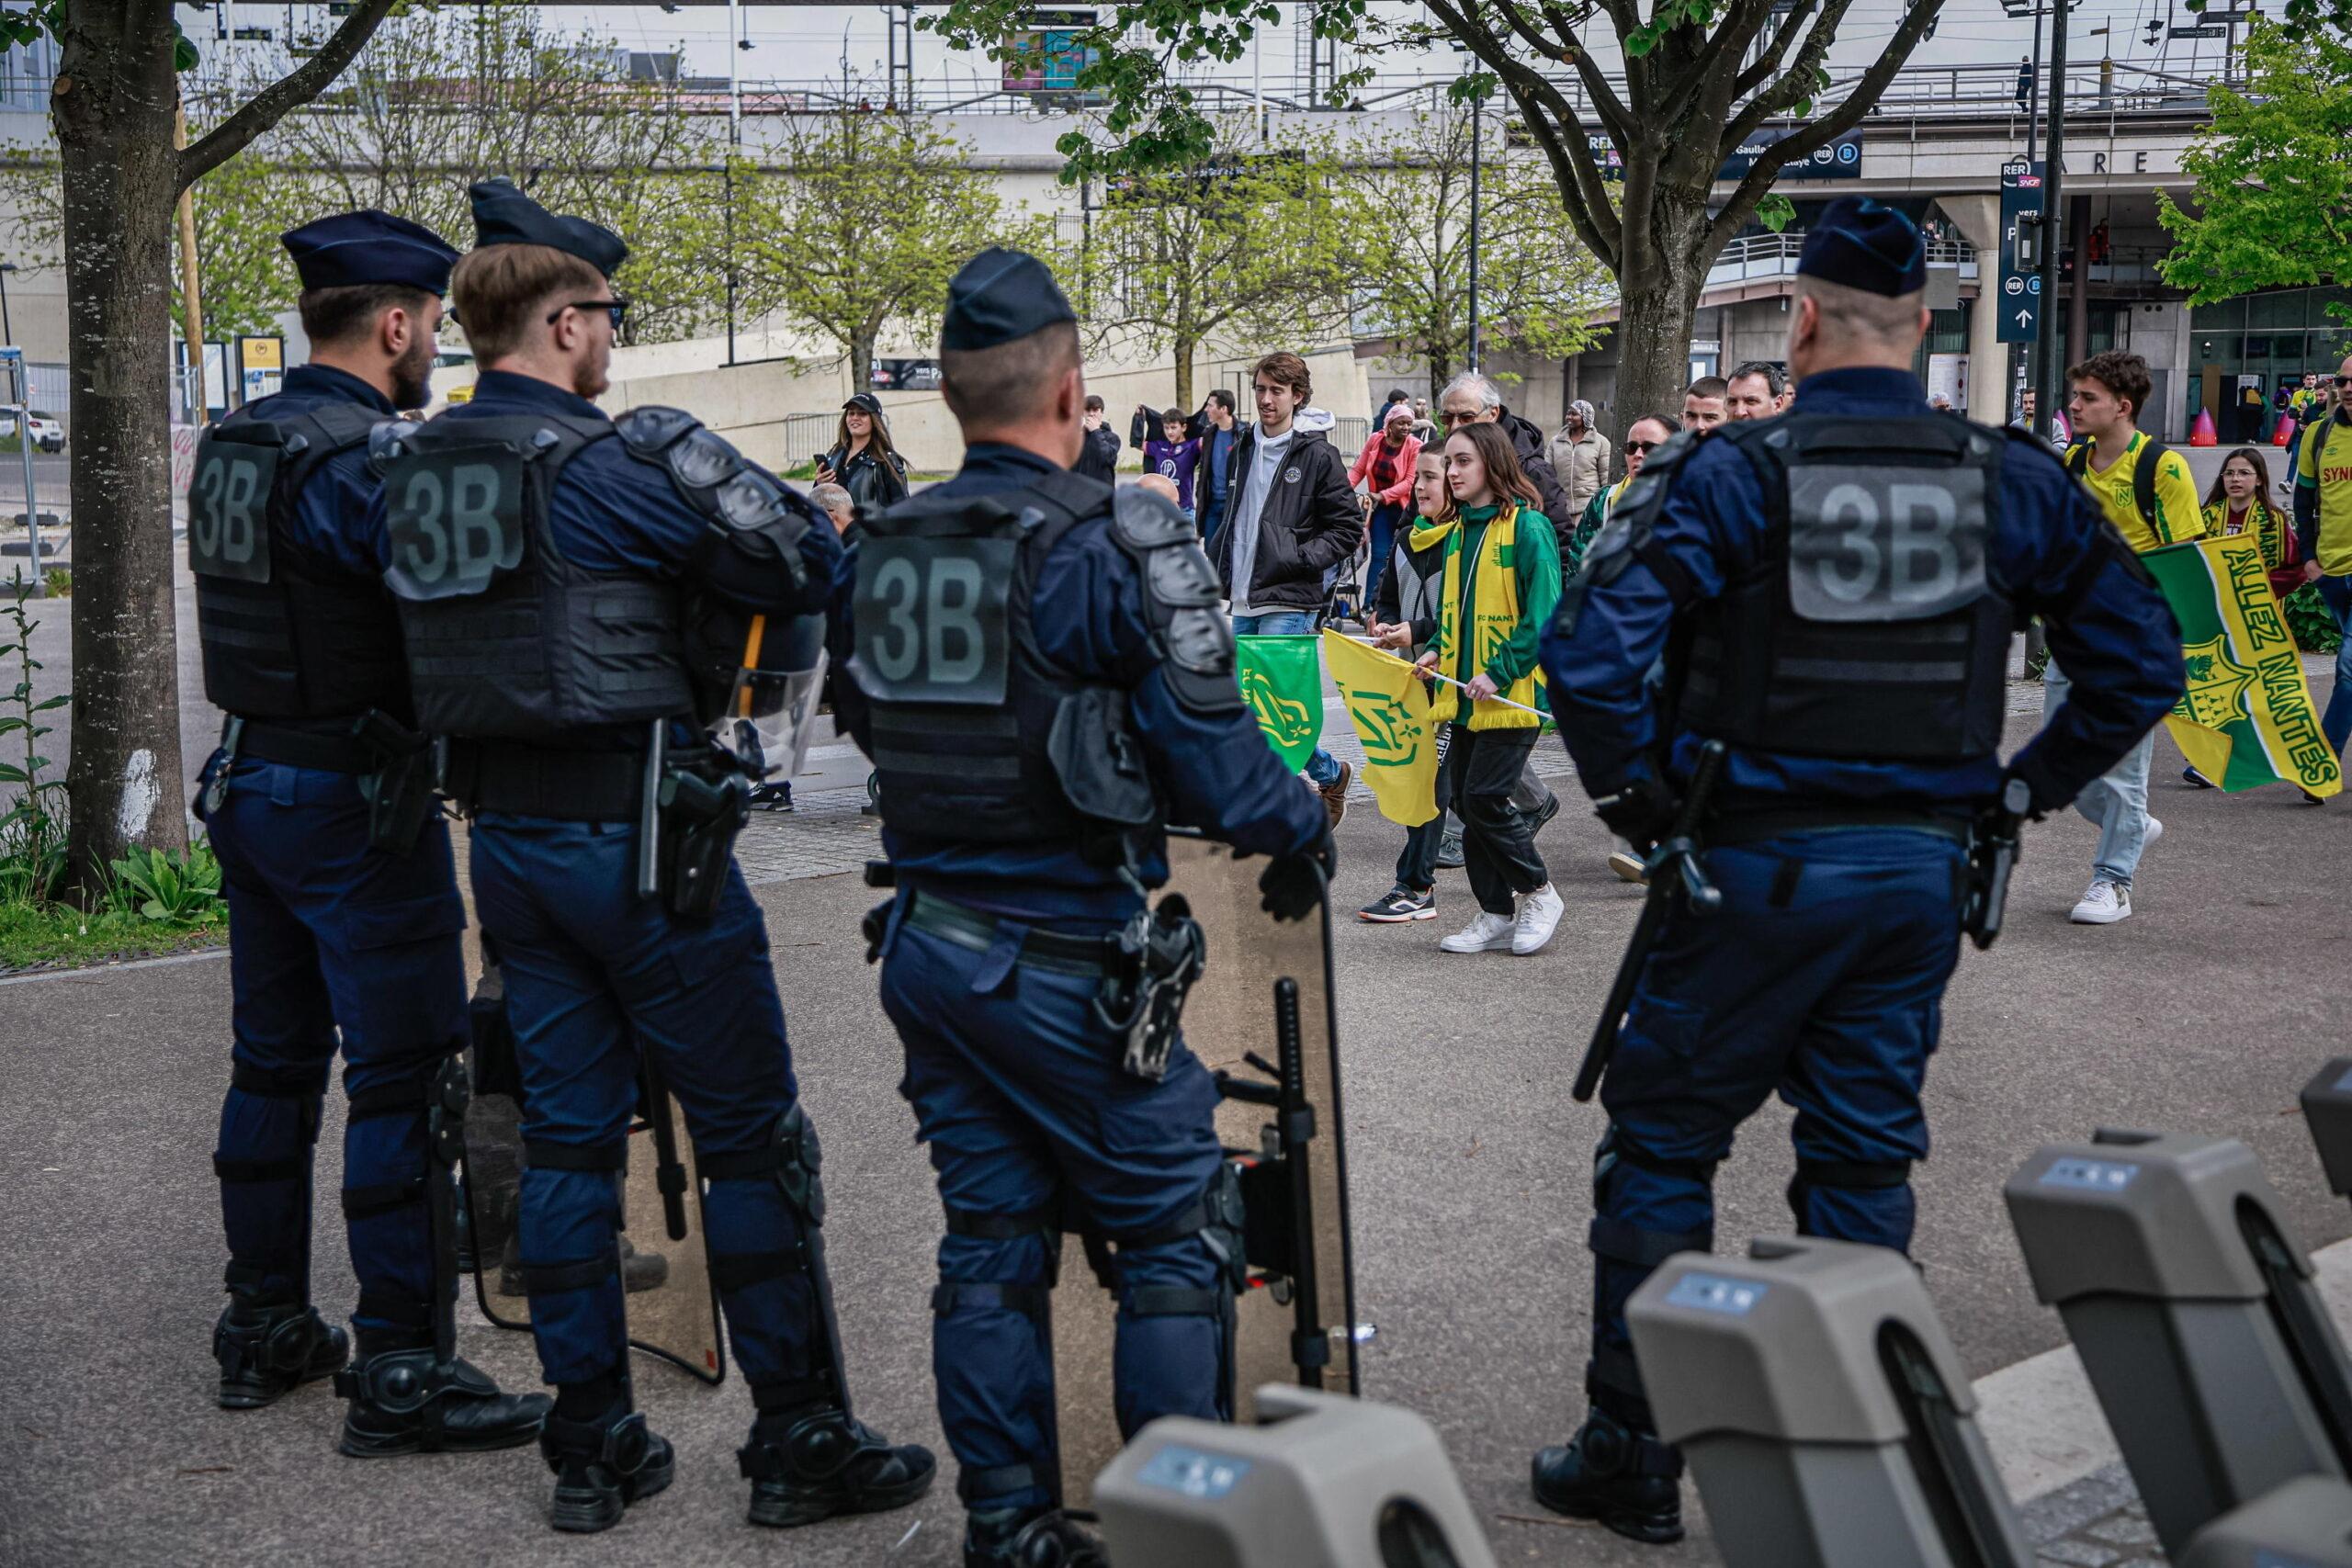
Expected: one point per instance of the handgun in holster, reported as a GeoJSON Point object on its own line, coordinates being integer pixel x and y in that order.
{"type": "Point", "coordinates": [700, 816]}
{"type": "Point", "coordinates": [1149, 966]}
{"type": "Point", "coordinates": [401, 793]}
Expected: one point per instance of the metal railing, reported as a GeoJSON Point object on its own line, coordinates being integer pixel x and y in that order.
{"type": "Point", "coordinates": [1775, 256]}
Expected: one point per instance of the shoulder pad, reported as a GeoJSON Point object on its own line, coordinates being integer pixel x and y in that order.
{"type": "Point", "coordinates": [649, 429]}
{"type": "Point", "coordinates": [752, 501]}
{"type": "Point", "coordinates": [1145, 521]}
{"type": "Point", "coordinates": [2028, 439]}
{"type": "Point", "coordinates": [385, 443]}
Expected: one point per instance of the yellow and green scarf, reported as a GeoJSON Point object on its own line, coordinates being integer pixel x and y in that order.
{"type": "Point", "coordinates": [1496, 582]}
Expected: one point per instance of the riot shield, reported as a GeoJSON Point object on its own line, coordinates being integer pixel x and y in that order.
{"type": "Point", "coordinates": [1261, 1018]}
{"type": "Point", "coordinates": [665, 1268]}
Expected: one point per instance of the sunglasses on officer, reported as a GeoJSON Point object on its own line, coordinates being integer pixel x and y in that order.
{"type": "Point", "coordinates": [613, 310]}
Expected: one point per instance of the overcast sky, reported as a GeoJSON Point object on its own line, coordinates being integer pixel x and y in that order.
{"type": "Point", "coordinates": [809, 44]}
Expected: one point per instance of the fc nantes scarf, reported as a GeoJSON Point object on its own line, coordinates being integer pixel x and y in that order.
{"type": "Point", "coordinates": [1497, 580]}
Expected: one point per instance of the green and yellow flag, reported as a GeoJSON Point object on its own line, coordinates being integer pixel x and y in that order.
{"type": "Point", "coordinates": [1390, 709]}
{"type": "Point", "coordinates": [2248, 717]}
{"type": "Point", "coordinates": [1282, 682]}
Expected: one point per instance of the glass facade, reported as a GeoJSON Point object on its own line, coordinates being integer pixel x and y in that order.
{"type": "Point", "coordinates": [2282, 333]}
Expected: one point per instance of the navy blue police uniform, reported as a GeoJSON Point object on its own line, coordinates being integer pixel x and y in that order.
{"type": "Point", "coordinates": [345, 917]}
{"type": "Point", "coordinates": [573, 587]}
{"type": "Point", "coordinates": [1834, 591]}
{"type": "Point", "coordinates": [1043, 680]}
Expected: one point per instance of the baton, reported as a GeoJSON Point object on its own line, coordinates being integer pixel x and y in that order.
{"type": "Point", "coordinates": [649, 813]}
{"type": "Point", "coordinates": [1673, 868]}
{"type": "Point", "coordinates": [669, 1171]}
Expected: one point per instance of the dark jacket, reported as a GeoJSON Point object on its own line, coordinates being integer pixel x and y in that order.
{"type": "Point", "coordinates": [1417, 574]}
{"type": "Point", "coordinates": [1310, 525]}
{"type": "Point", "coordinates": [1529, 444]}
{"type": "Point", "coordinates": [872, 483]}
{"type": "Point", "coordinates": [1099, 457]}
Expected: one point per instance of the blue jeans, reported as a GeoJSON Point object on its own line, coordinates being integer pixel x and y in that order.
{"type": "Point", "coordinates": [1321, 767]}
{"type": "Point", "coordinates": [2336, 722]}
{"type": "Point", "coordinates": [1386, 521]}
{"type": "Point", "coordinates": [2116, 803]}
{"type": "Point", "coordinates": [1821, 979]}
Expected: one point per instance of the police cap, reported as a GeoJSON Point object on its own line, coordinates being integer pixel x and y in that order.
{"type": "Point", "coordinates": [504, 216]}
{"type": "Point", "coordinates": [352, 249]}
{"type": "Point", "coordinates": [1866, 246]}
{"type": "Point", "coordinates": [1000, 294]}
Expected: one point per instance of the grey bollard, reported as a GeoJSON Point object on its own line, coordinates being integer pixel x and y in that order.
{"type": "Point", "coordinates": [2327, 1110]}
{"type": "Point", "coordinates": [1321, 1481]}
{"type": "Point", "coordinates": [1823, 1412]}
{"type": "Point", "coordinates": [2193, 1309]}
{"type": "Point", "coordinates": [2307, 1523]}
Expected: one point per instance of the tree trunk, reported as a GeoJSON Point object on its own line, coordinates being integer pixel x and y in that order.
{"type": "Point", "coordinates": [861, 363]}
{"type": "Point", "coordinates": [1184, 348]}
{"type": "Point", "coordinates": [1654, 318]}
{"type": "Point", "coordinates": [113, 103]}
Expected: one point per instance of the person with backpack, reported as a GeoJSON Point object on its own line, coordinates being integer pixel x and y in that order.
{"type": "Point", "coordinates": [2146, 493]}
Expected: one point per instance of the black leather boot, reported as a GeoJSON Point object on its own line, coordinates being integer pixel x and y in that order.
{"type": "Point", "coordinates": [603, 1466]}
{"type": "Point", "coordinates": [1031, 1538]}
{"type": "Point", "coordinates": [409, 1402]}
{"type": "Point", "coordinates": [1627, 1480]}
{"type": "Point", "coordinates": [817, 1461]}
{"type": "Point", "coordinates": [266, 1349]}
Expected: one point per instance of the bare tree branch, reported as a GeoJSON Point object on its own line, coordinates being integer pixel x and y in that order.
{"type": "Point", "coordinates": [296, 87]}
{"type": "Point", "coordinates": [1595, 221]}
{"type": "Point", "coordinates": [1792, 27]}
{"type": "Point", "coordinates": [1822, 129]}
{"type": "Point", "coordinates": [1613, 115]}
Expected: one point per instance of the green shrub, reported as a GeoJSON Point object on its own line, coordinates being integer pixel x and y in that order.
{"type": "Point", "coordinates": [2312, 623]}
{"type": "Point", "coordinates": [171, 889]}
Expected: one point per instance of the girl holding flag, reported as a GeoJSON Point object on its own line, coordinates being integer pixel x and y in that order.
{"type": "Point", "coordinates": [1498, 586]}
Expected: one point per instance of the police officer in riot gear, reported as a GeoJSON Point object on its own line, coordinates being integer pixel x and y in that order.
{"type": "Point", "coordinates": [1834, 590]}
{"type": "Point", "coordinates": [1042, 676]}
{"type": "Point", "coordinates": [345, 913]}
{"type": "Point", "coordinates": [577, 595]}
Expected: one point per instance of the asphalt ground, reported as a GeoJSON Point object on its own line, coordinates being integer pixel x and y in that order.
{"type": "Point", "coordinates": [1470, 1166]}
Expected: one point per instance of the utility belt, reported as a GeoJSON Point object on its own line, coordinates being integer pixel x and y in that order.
{"type": "Point", "coordinates": [1144, 969]}
{"type": "Point", "coordinates": [395, 767]}
{"type": "Point", "coordinates": [688, 811]}
{"type": "Point", "coordinates": [1734, 825]}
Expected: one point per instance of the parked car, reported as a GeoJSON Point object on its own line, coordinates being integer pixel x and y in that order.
{"type": "Point", "coordinates": [48, 434]}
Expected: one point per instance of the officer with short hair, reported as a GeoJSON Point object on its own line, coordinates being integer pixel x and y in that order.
{"type": "Point", "coordinates": [344, 909]}
{"type": "Point", "coordinates": [1834, 591]}
{"type": "Point", "coordinates": [1044, 678]}
{"type": "Point", "coordinates": [581, 597]}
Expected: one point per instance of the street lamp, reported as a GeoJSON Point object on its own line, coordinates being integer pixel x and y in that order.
{"type": "Point", "coordinates": [7, 332]}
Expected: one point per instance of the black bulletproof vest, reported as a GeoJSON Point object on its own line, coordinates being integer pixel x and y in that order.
{"type": "Point", "coordinates": [974, 732]}
{"type": "Point", "coordinates": [506, 638]}
{"type": "Point", "coordinates": [1871, 626]}
{"type": "Point", "coordinates": [280, 640]}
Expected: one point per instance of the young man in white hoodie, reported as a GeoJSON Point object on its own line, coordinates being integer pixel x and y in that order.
{"type": "Point", "coordinates": [1291, 518]}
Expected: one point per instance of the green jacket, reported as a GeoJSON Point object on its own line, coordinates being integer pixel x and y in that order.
{"type": "Point", "coordinates": [1535, 564]}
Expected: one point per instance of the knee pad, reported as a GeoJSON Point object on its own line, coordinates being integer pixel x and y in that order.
{"type": "Point", "coordinates": [1042, 1223]}
{"type": "Point", "coordinates": [1845, 1176]}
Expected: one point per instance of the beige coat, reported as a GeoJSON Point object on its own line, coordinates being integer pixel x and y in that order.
{"type": "Point", "coordinates": [1582, 463]}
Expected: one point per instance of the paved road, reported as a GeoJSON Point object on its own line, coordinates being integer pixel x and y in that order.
{"type": "Point", "coordinates": [1469, 1159]}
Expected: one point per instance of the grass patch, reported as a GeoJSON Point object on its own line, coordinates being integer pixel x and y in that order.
{"type": "Point", "coordinates": [58, 936]}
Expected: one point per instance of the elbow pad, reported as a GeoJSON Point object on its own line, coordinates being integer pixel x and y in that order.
{"type": "Point", "coordinates": [755, 524]}
{"type": "Point", "coordinates": [1192, 637]}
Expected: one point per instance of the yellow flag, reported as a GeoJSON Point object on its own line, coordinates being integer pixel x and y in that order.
{"type": "Point", "coordinates": [1390, 708]}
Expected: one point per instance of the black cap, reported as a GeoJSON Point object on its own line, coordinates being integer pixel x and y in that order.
{"type": "Point", "coordinates": [1000, 294]}
{"type": "Point", "coordinates": [504, 216]}
{"type": "Point", "coordinates": [865, 401]}
{"type": "Point", "coordinates": [1862, 244]}
{"type": "Point", "coordinates": [350, 249]}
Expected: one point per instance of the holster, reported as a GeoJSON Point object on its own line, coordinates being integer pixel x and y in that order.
{"type": "Point", "coordinates": [400, 794]}
{"type": "Point", "coordinates": [1152, 963]}
{"type": "Point", "coordinates": [700, 816]}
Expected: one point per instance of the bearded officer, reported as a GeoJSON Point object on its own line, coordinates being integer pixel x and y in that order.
{"type": "Point", "coordinates": [1838, 587]}
{"type": "Point", "coordinates": [559, 573]}
{"type": "Point", "coordinates": [345, 914]}
{"type": "Point", "coordinates": [1043, 679]}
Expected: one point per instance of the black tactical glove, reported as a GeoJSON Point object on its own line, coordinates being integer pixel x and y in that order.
{"type": "Point", "coordinates": [1641, 810]}
{"type": "Point", "coordinates": [1295, 884]}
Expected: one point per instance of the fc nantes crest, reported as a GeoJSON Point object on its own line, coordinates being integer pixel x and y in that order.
{"type": "Point", "coordinates": [2216, 694]}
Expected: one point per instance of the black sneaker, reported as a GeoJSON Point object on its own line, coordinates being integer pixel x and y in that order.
{"type": "Point", "coordinates": [1400, 903]}
{"type": "Point", "coordinates": [1031, 1538]}
{"type": "Point", "coordinates": [267, 1351]}
{"type": "Point", "coordinates": [1449, 850]}
{"type": "Point", "coordinates": [1544, 813]}
{"type": "Point", "coordinates": [1629, 1481]}
{"type": "Point", "coordinates": [601, 1467]}
{"type": "Point", "coordinates": [407, 1402]}
{"type": "Point", "coordinates": [2193, 779]}
{"type": "Point", "coordinates": [772, 796]}
{"type": "Point", "coordinates": [810, 1466]}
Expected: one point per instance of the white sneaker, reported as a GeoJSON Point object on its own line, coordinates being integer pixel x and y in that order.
{"type": "Point", "coordinates": [2156, 831]}
{"type": "Point", "coordinates": [1539, 913]}
{"type": "Point", "coordinates": [2103, 905]}
{"type": "Point", "coordinates": [1484, 934]}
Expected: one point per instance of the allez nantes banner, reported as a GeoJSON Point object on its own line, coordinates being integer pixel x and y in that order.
{"type": "Point", "coordinates": [1282, 681]}
{"type": "Point", "coordinates": [2246, 719]}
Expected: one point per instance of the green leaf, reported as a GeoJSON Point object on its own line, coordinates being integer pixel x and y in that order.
{"type": "Point", "coordinates": [1776, 212]}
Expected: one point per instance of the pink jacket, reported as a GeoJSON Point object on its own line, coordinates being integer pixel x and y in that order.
{"type": "Point", "coordinates": [1401, 493]}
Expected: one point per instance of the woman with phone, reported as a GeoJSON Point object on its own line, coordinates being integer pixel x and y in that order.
{"type": "Point", "coordinates": [861, 460]}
